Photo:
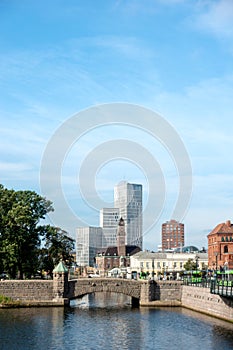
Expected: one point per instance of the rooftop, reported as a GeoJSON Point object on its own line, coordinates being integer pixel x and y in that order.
{"type": "Point", "coordinates": [224, 227]}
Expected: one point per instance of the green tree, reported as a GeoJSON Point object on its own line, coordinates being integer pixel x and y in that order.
{"type": "Point", "coordinates": [57, 246]}
{"type": "Point", "coordinates": [20, 230]}
{"type": "Point", "coordinates": [190, 265]}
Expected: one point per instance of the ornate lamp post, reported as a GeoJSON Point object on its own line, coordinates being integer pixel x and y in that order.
{"type": "Point", "coordinates": [216, 260]}
{"type": "Point", "coordinates": [153, 268]}
{"type": "Point", "coordinates": [196, 258]}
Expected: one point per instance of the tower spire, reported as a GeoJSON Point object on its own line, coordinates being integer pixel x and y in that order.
{"type": "Point", "coordinates": [121, 235]}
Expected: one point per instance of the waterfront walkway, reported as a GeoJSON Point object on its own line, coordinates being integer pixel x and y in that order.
{"type": "Point", "coordinates": [223, 289]}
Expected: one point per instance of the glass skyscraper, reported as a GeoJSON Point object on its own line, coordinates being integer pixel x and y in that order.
{"type": "Point", "coordinates": [109, 219]}
{"type": "Point", "coordinates": [89, 240]}
{"type": "Point", "coordinates": [128, 205]}
{"type": "Point", "coordinates": [128, 198]}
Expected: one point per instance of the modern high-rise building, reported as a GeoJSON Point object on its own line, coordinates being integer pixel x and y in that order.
{"type": "Point", "coordinates": [128, 198]}
{"type": "Point", "coordinates": [172, 235]}
{"type": "Point", "coordinates": [89, 240]}
{"type": "Point", "coordinates": [127, 205]}
{"type": "Point", "coordinates": [109, 218]}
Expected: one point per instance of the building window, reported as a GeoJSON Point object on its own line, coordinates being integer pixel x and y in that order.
{"type": "Point", "coordinates": [225, 249]}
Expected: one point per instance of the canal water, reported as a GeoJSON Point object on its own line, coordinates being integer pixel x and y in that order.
{"type": "Point", "coordinates": [107, 321]}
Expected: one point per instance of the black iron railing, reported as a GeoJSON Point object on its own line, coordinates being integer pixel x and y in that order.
{"type": "Point", "coordinates": [197, 282]}
{"type": "Point", "coordinates": [223, 288]}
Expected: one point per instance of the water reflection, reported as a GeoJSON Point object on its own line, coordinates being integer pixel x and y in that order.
{"type": "Point", "coordinates": [102, 300]}
{"type": "Point", "coordinates": [160, 328]}
{"type": "Point", "coordinates": [107, 321]}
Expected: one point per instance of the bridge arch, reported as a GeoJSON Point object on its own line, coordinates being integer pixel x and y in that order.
{"type": "Point", "coordinates": [80, 287]}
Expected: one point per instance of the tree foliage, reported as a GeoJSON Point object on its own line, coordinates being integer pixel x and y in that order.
{"type": "Point", "coordinates": [190, 265]}
{"type": "Point", "coordinates": [57, 246]}
{"type": "Point", "coordinates": [21, 232]}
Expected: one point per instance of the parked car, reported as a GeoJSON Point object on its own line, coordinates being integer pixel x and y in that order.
{"type": "Point", "coordinates": [93, 275]}
{"type": "Point", "coordinates": [4, 276]}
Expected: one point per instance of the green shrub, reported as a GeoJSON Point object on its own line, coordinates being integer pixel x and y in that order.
{"type": "Point", "coordinates": [5, 300]}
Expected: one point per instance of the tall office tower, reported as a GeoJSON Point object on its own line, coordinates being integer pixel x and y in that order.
{"type": "Point", "coordinates": [172, 235]}
{"type": "Point", "coordinates": [89, 240]}
{"type": "Point", "coordinates": [128, 198]}
{"type": "Point", "coordinates": [109, 218]}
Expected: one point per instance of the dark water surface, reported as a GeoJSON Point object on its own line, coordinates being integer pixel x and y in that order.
{"type": "Point", "coordinates": [108, 322]}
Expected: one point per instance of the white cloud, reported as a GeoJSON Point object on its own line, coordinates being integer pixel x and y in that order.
{"type": "Point", "coordinates": [9, 167]}
{"type": "Point", "coordinates": [217, 18]}
{"type": "Point", "coordinates": [201, 108]}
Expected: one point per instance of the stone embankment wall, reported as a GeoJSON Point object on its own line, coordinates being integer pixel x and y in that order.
{"type": "Point", "coordinates": [38, 291]}
{"type": "Point", "coordinates": [200, 299]}
{"type": "Point", "coordinates": [162, 293]}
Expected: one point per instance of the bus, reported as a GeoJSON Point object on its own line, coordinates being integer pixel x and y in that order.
{"type": "Point", "coordinates": [193, 276]}
{"type": "Point", "coordinates": [225, 278]}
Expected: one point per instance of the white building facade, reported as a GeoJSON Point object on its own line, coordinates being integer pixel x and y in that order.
{"type": "Point", "coordinates": [128, 198]}
{"type": "Point", "coordinates": [158, 264]}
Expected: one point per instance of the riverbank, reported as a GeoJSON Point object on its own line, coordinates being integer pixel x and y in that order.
{"type": "Point", "coordinates": [34, 303]}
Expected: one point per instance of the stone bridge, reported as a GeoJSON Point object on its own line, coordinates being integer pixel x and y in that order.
{"type": "Point", "coordinates": [138, 290]}
{"type": "Point", "coordinates": [60, 290]}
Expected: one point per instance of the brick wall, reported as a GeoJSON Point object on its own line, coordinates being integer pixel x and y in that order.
{"type": "Point", "coordinates": [27, 290]}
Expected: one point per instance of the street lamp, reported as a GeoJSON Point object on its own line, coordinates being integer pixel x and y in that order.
{"type": "Point", "coordinates": [196, 262]}
{"type": "Point", "coordinates": [216, 260]}
{"type": "Point", "coordinates": [153, 269]}
{"type": "Point", "coordinates": [166, 273]}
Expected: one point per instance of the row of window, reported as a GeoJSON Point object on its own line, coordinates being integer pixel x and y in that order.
{"type": "Point", "coordinates": [159, 265]}
{"type": "Point", "coordinates": [173, 238]}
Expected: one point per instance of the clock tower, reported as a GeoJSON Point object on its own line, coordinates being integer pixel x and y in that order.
{"type": "Point", "coordinates": [121, 236]}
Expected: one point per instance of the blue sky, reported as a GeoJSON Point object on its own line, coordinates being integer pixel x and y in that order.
{"type": "Point", "coordinates": [174, 57]}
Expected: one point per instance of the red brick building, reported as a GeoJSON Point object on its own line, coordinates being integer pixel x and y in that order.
{"type": "Point", "coordinates": [220, 246]}
{"type": "Point", "coordinates": [172, 235]}
{"type": "Point", "coordinates": [109, 258]}
{"type": "Point", "coordinates": [119, 256]}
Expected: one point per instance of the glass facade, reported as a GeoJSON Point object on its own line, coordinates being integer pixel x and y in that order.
{"type": "Point", "coordinates": [128, 198]}
{"type": "Point", "coordinates": [89, 240]}
{"type": "Point", "coordinates": [109, 218]}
